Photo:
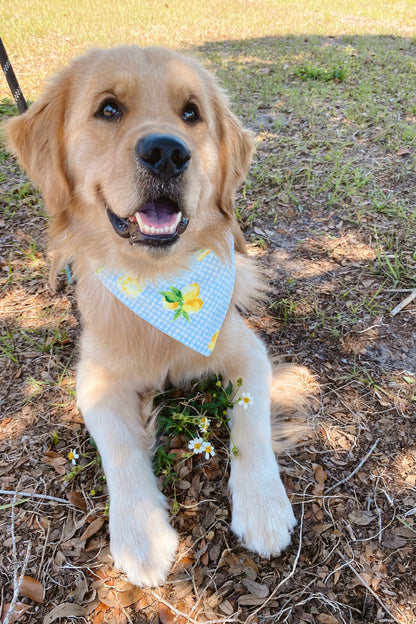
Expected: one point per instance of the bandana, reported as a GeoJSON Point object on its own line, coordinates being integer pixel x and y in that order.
{"type": "Point", "coordinates": [189, 306]}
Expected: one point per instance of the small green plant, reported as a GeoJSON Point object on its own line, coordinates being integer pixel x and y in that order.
{"type": "Point", "coordinates": [284, 308]}
{"type": "Point", "coordinates": [8, 345]}
{"type": "Point", "coordinates": [194, 414]}
{"type": "Point", "coordinates": [93, 459]}
{"type": "Point", "coordinates": [324, 74]}
{"type": "Point", "coordinates": [25, 190]}
{"type": "Point", "coordinates": [163, 463]}
{"type": "Point", "coordinates": [361, 375]}
{"type": "Point", "coordinates": [259, 242]}
{"type": "Point", "coordinates": [396, 266]}
{"type": "Point", "coordinates": [8, 107]}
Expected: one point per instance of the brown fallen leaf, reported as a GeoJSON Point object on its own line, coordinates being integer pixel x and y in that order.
{"type": "Point", "coordinates": [77, 499]}
{"type": "Point", "coordinates": [18, 610]}
{"type": "Point", "coordinates": [320, 478]}
{"type": "Point", "coordinates": [33, 589]}
{"type": "Point", "coordinates": [337, 573]}
{"type": "Point", "coordinates": [258, 590]}
{"type": "Point", "coordinates": [205, 558]}
{"type": "Point", "coordinates": [64, 610]}
{"type": "Point", "coordinates": [250, 563]}
{"type": "Point", "coordinates": [250, 601]}
{"type": "Point", "coordinates": [186, 561]}
{"type": "Point", "coordinates": [122, 595]}
{"type": "Point", "coordinates": [141, 604]}
{"type": "Point", "coordinates": [166, 616]}
{"type": "Point", "coordinates": [322, 528]}
{"type": "Point", "coordinates": [98, 612]}
{"type": "Point", "coordinates": [403, 152]}
{"type": "Point", "coordinates": [226, 607]}
{"type": "Point", "coordinates": [361, 517]}
{"type": "Point", "coordinates": [103, 614]}
{"type": "Point", "coordinates": [408, 532]}
{"type": "Point", "coordinates": [55, 460]}
{"type": "Point", "coordinates": [326, 618]}
{"type": "Point", "coordinates": [183, 484]}
{"type": "Point", "coordinates": [52, 458]}
{"type": "Point", "coordinates": [92, 529]}
{"type": "Point", "coordinates": [393, 542]}
{"type": "Point", "coordinates": [78, 593]}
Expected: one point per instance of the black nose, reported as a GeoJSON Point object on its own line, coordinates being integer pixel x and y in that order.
{"type": "Point", "coordinates": [165, 155]}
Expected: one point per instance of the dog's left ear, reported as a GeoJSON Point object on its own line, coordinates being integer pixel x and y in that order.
{"type": "Point", "coordinates": [236, 150]}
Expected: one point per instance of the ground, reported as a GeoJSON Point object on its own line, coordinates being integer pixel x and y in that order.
{"type": "Point", "coordinates": [328, 213]}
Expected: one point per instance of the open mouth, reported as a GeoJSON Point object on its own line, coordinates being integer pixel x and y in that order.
{"type": "Point", "coordinates": [157, 222]}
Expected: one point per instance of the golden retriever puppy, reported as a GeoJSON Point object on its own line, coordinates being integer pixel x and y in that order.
{"type": "Point", "coordinates": [138, 158]}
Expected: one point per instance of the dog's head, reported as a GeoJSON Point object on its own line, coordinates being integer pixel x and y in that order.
{"type": "Point", "coordinates": [137, 149]}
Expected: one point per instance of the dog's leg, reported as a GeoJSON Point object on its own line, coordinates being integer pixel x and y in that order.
{"type": "Point", "coordinates": [262, 515]}
{"type": "Point", "coordinates": [142, 542]}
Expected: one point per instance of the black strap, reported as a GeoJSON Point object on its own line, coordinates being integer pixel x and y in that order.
{"type": "Point", "coordinates": [12, 80]}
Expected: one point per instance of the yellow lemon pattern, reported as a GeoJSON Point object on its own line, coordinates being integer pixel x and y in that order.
{"type": "Point", "coordinates": [130, 286]}
{"type": "Point", "coordinates": [184, 302]}
{"type": "Point", "coordinates": [213, 341]}
{"type": "Point", "coordinates": [203, 254]}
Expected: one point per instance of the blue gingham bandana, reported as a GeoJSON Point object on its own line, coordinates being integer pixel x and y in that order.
{"type": "Point", "coordinates": [190, 306]}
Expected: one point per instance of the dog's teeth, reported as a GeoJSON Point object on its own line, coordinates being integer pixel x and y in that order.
{"type": "Point", "coordinates": [151, 229]}
{"type": "Point", "coordinates": [139, 221]}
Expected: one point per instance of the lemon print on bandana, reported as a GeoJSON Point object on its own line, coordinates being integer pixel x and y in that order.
{"type": "Point", "coordinates": [184, 302]}
{"type": "Point", "coordinates": [213, 341]}
{"type": "Point", "coordinates": [129, 285]}
{"type": "Point", "coordinates": [203, 254]}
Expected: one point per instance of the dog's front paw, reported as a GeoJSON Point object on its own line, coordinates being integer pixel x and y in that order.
{"type": "Point", "coordinates": [143, 545]}
{"type": "Point", "coordinates": [262, 515]}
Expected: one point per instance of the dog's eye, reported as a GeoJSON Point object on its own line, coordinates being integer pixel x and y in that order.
{"type": "Point", "coordinates": [190, 113]}
{"type": "Point", "coordinates": [110, 110]}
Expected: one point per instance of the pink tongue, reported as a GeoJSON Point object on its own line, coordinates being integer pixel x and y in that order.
{"type": "Point", "coordinates": [159, 213]}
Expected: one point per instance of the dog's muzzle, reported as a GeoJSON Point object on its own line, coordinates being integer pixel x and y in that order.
{"type": "Point", "coordinates": [160, 221]}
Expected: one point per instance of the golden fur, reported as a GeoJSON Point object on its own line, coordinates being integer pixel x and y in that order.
{"type": "Point", "coordinates": [83, 162]}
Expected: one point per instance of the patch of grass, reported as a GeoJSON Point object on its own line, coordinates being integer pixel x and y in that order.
{"type": "Point", "coordinates": [8, 108]}
{"type": "Point", "coordinates": [284, 309]}
{"type": "Point", "coordinates": [398, 267]}
{"type": "Point", "coordinates": [324, 74]}
{"type": "Point", "coordinates": [41, 36]}
{"type": "Point", "coordinates": [8, 345]}
{"type": "Point", "coordinates": [18, 197]}
{"type": "Point", "coordinates": [16, 342]}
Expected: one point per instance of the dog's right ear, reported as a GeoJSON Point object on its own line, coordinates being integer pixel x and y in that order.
{"type": "Point", "coordinates": [37, 139]}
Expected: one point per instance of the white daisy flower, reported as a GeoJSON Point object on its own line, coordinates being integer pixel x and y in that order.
{"type": "Point", "coordinates": [73, 456]}
{"type": "Point", "coordinates": [204, 424]}
{"type": "Point", "coordinates": [195, 445]}
{"type": "Point", "coordinates": [208, 449]}
{"type": "Point", "coordinates": [246, 400]}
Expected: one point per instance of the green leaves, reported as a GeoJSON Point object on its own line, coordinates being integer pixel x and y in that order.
{"type": "Point", "coordinates": [177, 301]}
{"type": "Point", "coordinates": [173, 296]}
